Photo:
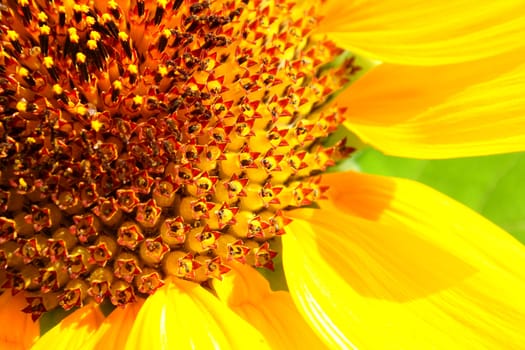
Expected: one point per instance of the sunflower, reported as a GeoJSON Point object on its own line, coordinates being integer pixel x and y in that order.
{"type": "Point", "coordinates": [153, 152]}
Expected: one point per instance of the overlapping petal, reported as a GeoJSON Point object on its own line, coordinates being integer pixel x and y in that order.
{"type": "Point", "coordinates": [425, 32]}
{"type": "Point", "coordinates": [468, 109]}
{"type": "Point", "coordinates": [183, 315]}
{"type": "Point", "coordinates": [247, 293]}
{"type": "Point", "coordinates": [73, 331]}
{"type": "Point", "coordinates": [114, 331]}
{"type": "Point", "coordinates": [18, 331]}
{"type": "Point", "coordinates": [392, 264]}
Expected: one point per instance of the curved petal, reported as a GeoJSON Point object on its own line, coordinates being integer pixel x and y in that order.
{"type": "Point", "coordinates": [247, 293]}
{"type": "Point", "coordinates": [425, 32]}
{"type": "Point", "coordinates": [18, 330]}
{"type": "Point", "coordinates": [73, 331]}
{"type": "Point", "coordinates": [114, 331]}
{"type": "Point", "coordinates": [441, 112]}
{"type": "Point", "coordinates": [183, 315]}
{"type": "Point", "coordinates": [392, 264]}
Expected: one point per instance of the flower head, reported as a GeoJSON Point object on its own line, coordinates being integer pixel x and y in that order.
{"type": "Point", "coordinates": [153, 140]}
{"type": "Point", "coordinates": [150, 151]}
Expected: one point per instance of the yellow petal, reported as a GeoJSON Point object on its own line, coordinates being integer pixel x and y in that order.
{"type": "Point", "coordinates": [183, 315]}
{"type": "Point", "coordinates": [114, 331]}
{"type": "Point", "coordinates": [392, 264]}
{"type": "Point", "coordinates": [247, 293]}
{"type": "Point", "coordinates": [73, 331]}
{"type": "Point", "coordinates": [425, 32]}
{"type": "Point", "coordinates": [441, 112]}
{"type": "Point", "coordinates": [18, 331]}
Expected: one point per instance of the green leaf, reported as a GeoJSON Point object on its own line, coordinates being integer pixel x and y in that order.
{"type": "Point", "coordinates": [491, 185]}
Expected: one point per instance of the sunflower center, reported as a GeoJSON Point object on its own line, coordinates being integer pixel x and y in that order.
{"type": "Point", "coordinates": [145, 139]}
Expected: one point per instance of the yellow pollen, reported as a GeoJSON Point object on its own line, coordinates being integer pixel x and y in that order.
{"type": "Point", "coordinates": [21, 106]}
{"type": "Point", "coordinates": [57, 89]}
{"type": "Point", "coordinates": [92, 44]}
{"type": "Point", "coordinates": [48, 62]}
{"type": "Point", "coordinates": [96, 125]}
{"type": "Point", "coordinates": [45, 30]}
{"type": "Point", "coordinates": [166, 33]}
{"type": "Point", "coordinates": [138, 100]}
{"type": "Point", "coordinates": [93, 35]}
{"type": "Point", "coordinates": [22, 183]}
{"type": "Point", "coordinates": [42, 17]}
{"type": "Point", "coordinates": [81, 58]}
{"type": "Point", "coordinates": [133, 69]}
{"type": "Point", "coordinates": [117, 85]}
{"type": "Point", "coordinates": [73, 36]}
{"type": "Point", "coordinates": [81, 110]}
{"type": "Point", "coordinates": [112, 5]}
{"type": "Point", "coordinates": [106, 17]}
{"type": "Point", "coordinates": [12, 35]}
{"type": "Point", "coordinates": [163, 70]}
